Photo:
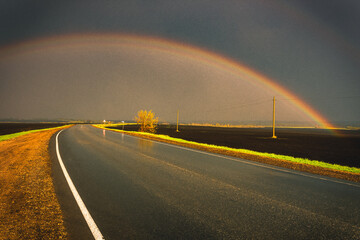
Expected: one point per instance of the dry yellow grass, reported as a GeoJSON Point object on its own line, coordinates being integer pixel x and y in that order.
{"type": "Point", "coordinates": [29, 208]}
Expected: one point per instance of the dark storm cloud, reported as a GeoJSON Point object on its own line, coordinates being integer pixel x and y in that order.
{"type": "Point", "coordinates": [23, 19]}
{"type": "Point", "coordinates": [342, 16]}
{"type": "Point", "coordinates": [310, 47]}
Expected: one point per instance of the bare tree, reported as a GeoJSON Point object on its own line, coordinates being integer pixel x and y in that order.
{"type": "Point", "coordinates": [147, 121]}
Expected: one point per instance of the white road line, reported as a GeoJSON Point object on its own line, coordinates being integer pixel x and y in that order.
{"type": "Point", "coordinates": [90, 221]}
{"type": "Point", "coordinates": [251, 163]}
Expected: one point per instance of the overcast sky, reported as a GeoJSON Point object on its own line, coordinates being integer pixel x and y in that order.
{"type": "Point", "coordinates": [311, 47]}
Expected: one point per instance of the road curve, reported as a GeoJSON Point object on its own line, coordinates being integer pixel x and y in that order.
{"type": "Point", "coordinates": [141, 189]}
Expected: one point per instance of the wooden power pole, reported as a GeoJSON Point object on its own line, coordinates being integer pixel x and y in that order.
{"type": "Point", "coordinates": [177, 122]}
{"type": "Point", "coordinates": [274, 136]}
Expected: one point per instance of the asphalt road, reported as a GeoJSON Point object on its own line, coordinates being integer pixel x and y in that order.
{"type": "Point", "coordinates": [141, 189]}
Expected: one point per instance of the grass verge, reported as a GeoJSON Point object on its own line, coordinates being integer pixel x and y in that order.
{"type": "Point", "coordinates": [13, 135]}
{"type": "Point", "coordinates": [301, 164]}
{"type": "Point", "coordinates": [29, 208]}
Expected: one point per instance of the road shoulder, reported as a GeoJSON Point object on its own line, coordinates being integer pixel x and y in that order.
{"type": "Point", "coordinates": [29, 208]}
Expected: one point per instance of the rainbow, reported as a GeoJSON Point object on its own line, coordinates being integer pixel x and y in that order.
{"type": "Point", "coordinates": [170, 47]}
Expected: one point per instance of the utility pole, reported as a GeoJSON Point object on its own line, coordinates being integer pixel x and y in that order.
{"type": "Point", "coordinates": [177, 122]}
{"type": "Point", "coordinates": [274, 136]}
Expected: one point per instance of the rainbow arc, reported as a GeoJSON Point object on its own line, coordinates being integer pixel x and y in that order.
{"type": "Point", "coordinates": [174, 48]}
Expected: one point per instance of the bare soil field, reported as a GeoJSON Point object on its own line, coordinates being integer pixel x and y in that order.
{"type": "Point", "coordinates": [9, 128]}
{"type": "Point", "coordinates": [314, 144]}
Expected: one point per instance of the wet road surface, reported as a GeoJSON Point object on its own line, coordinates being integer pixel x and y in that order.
{"type": "Point", "coordinates": [141, 189]}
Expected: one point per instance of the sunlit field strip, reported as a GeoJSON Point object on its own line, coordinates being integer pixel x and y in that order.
{"type": "Point", "coordinates": [13, 135]}
{"type": "Point", "coordinates": [242, 151]}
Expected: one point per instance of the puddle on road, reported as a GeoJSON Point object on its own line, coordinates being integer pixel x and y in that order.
{"type": "Point", "coordinates": [145, 145]}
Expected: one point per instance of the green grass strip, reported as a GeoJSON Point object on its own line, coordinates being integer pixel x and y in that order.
{"type": "Point", "coordinates": [246, 151]}
{"type": "Point", "coordinates": [13, 135]}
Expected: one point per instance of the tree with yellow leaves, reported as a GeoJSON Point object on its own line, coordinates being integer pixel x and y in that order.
{"type": "Point", "coordinates": [147, 121]}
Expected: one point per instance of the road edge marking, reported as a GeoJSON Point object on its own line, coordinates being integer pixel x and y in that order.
{"type": "Point", "coordinates": [89, 220]}
{"type": "Point", "coordinates": [253, 163]}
